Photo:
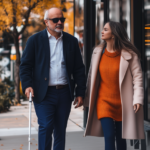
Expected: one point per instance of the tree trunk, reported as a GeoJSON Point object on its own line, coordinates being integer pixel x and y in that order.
{"type": "Point", "coordinates": [17, 64]}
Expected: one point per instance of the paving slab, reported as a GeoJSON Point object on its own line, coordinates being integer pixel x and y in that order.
{"type": "Point", "coordinates": [18, 121]}
{"type": "Point", "coordinates": [18, 143]}
{"type": "Point", "coordinates": [16, 131]}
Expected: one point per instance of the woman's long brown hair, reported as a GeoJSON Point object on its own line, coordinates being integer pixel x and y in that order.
{"type": "Point", "coordinates": [121, 39]}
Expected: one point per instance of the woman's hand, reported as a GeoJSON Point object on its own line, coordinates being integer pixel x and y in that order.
{"type": "Point", "coordinates": [136, 107]}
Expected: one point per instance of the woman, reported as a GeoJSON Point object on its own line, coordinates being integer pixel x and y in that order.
{"type": "Point", "coordinates": [114, 92]}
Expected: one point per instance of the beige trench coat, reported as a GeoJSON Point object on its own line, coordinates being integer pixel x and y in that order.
{"type": "Point", "coordinates": [131, 91]}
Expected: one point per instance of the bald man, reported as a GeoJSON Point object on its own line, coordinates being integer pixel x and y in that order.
{"type": "Point", "coordinates": [50, 68]}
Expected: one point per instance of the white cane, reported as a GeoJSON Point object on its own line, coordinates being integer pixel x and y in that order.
{"type": "Point", "coordinates": [30, 108]}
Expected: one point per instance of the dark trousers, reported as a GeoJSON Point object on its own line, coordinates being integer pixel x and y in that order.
{"type": "Point", "coordinates": [53, 113]}
{"type": "Point", "coordinates": [113, 129]}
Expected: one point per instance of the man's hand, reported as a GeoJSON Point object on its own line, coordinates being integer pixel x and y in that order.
{"type": "Point", "coordinates": [136, 107]}
{"type": "Point", "coordinates": [78, 101]}
{"type": "Point", "coordinates": [27, 92]}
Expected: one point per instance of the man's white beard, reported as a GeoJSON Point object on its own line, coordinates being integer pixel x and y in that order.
{"type": "Point", "coordinates": [60, 30]}
{"type": "Point", "coordinates": [56, 30]}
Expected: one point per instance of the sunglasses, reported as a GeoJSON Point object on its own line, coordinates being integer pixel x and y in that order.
{"type": "Point", "coordinates": [55, 20]}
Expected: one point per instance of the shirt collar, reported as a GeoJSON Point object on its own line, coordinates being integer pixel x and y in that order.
{"type": "Point", "coordinates": [49, 35]}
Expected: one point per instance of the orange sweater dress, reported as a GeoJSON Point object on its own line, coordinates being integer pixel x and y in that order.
{"type": "Point", "coordinates": [109, 101]}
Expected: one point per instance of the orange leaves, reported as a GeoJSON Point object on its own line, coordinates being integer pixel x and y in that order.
{"type": "Point", "coordinates": [16, 12]}
{"type": "Point", "coordinates": [69, 15]}
{"type": "Point", "coordinates": [21, 146]}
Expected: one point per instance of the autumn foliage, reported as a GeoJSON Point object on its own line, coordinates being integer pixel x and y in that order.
{"type": "Point", "coordinates": [16, 12]}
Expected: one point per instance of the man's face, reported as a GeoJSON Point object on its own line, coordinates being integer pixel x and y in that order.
{"type": "Point", "coordinates": [53, 24]}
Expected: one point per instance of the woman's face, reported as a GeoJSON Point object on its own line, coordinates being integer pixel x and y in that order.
{"type": "Point", "coordinates": [106, 33]}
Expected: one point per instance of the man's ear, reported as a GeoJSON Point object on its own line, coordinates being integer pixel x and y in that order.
{"type": "Point", "coordinates": [45, 21]}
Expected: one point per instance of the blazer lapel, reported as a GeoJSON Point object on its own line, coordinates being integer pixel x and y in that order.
{"type": "Point", "coordinates": [66, 44]}
{"type": "Point", "coordinates": [46, 45]}
{"type": "Point", "coordinates": [125, 56]}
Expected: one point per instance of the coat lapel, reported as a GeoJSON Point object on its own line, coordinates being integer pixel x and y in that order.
{"type": "Point", "coordinates": [95, 64]}
{"type": "Point", "coordinates": [96, 56]}
{"type": "Point", "coordinates": [46, 46]}
{"type": "Point", "coordinates": [125, 56]}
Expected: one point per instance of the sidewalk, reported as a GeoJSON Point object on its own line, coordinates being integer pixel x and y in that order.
{"type": "Point", "coordinates": [14, 131]}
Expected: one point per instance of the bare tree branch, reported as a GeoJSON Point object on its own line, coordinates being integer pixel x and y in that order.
{"type": "Point", "coordinates": [5, 12]}
{"type": "Point", "coordinates": [5, 9]}
{"type": "Point", "coordinates": [28, 14]}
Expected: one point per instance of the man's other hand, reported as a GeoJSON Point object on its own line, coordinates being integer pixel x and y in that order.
{"type": "Point", "coordinates": [27, 92]}
{"type": "Point", "coordinates": [78, 102]}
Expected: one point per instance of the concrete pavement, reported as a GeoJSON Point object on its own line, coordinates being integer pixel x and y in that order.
{"type": "Point", "coordinates": [14, 131]}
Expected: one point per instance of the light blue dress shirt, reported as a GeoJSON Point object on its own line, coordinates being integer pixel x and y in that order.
{"type": "Point", "coordinates": [57, 69]}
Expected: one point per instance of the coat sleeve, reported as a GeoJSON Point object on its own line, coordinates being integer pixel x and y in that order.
{"type": "Point", "coordinates": [79, 72]}
{"type": "Point", "coordinates": [27, 64]}
{"type": "Point", "coordinates": [136, 70]}
{"type": "Point", "coordinates": [88, 87]}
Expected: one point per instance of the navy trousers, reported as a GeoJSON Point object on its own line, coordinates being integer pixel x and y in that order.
{"type": "Point", "coordinates": [113, 129]}
{"type": "Point", "coordinates": [53, 113]}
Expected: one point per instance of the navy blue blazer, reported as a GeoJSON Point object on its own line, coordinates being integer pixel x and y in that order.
{"type": "Point", "coordinates": [35, 62]}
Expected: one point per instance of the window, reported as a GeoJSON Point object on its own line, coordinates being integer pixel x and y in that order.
{"type": "Point", "coordinates": [147, 51]}
{"type": "Point", "coordinates": [119, 11]}
{"type": "Point", "coordinates": [99, 21]}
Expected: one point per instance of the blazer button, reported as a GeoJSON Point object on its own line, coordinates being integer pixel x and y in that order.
{"type": "Point", "coordinates": [45, 79]}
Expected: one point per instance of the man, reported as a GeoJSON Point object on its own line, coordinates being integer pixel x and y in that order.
{"type": "Point", "coordinates": [50, 67]}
